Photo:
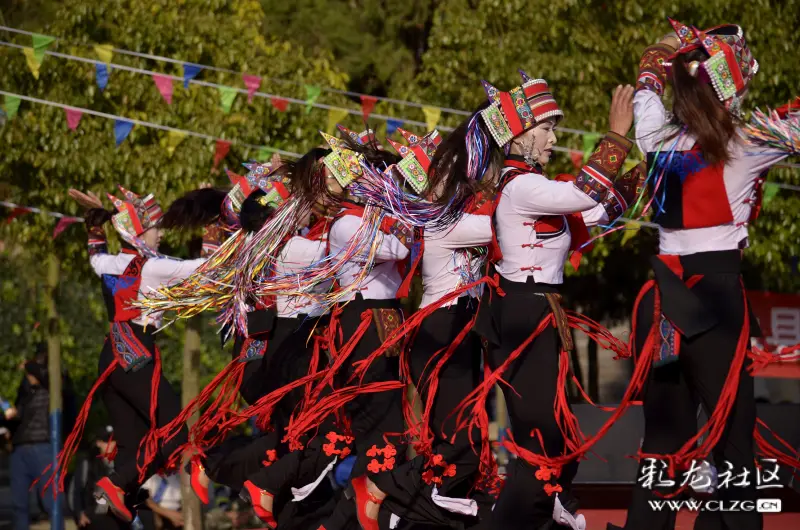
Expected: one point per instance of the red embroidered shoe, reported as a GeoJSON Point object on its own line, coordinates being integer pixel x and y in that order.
{"type": "Point", "coordinates": [106, 492]}
{"type": "Point", "coordinates": [253, 494]}
{"type": "Point", "coordinates": [362, 497]}
{"type": "Point", "coordinates": [197, 469]}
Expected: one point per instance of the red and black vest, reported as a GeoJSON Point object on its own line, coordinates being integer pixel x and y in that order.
{"type": "Point", "coordinates": [120, 290]}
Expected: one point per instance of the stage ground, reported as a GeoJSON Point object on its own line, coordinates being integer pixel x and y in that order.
{"type": "Point", "coordinates": [597, 519]}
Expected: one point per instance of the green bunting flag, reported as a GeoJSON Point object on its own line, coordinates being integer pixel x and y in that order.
{"type": "Point", "coordinates": [770, 190]}
{"type": "Point", "coordinates": [40, 44]}
{"type": "Point", "coordinates": [11, 106]}
{"type": "Point", "coordinates": [589, 141]}
{"type": "Point", "coordinates": [264, 154]}
{"type": "Point", "coordinates": [226, 96]}
{"type": "Point", "coordinates": [312, 93]}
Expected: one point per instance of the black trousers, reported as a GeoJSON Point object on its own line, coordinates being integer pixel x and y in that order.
{"type": "Point", "coordinates": [127, 398]}
{"type": "Point", "coordinates": [287, 358]}
{"type": "Point", "coordinates": [671, 398]}
{"type": "Point", "coordinates": [410, 496]}
{"type": "Point", "coordinates": [530, 394]}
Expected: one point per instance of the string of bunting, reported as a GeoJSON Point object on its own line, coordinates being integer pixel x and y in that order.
{"type": "Point", "coordinates": [63, 220]}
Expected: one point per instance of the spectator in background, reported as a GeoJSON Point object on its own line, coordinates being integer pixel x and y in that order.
{"type": "Point", "coordinates": [165, 500]}
{"type": "Point", "coordinates": [96, 463]}
{"type": "Point", "coordinates": [30, 435]}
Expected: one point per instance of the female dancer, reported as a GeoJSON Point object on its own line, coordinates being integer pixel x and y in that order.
{"type": "Point", "coordinates": [537, 221]}
{"type": "Point", "coordinates": [437, 486]}
{"type": "Point", "coordinates": [691, 325]}
{"type": "Point", "coordinates": [138, 397]}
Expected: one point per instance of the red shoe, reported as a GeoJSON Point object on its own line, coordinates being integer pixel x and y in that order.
{"type": "Point", "coordinates": [196, 469]}
{"type": "Point", "coordinates": [362, 497]}
{"type": "Point", "coordinates": [108, 493]}
{"type": "Point", "coordinates": [253, 494]}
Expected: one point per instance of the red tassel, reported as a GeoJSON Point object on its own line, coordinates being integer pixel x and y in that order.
{"type": "Point", "coordinates": [74, 438]}
{"type": "Point", "coordinates": [150, 441]}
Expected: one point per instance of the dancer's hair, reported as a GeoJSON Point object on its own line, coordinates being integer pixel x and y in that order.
{"type": "Point", "coordinates": [696, 107]}
{"type": "Point", "coordinates": [254, 214]}
{"type": "Point", "coordinates": [306, 175]}
{"type": "Point", "coordinates": [97, 216]}
{"type": "Point", "coordinates": [449, 169]}
{"type": "Point", "coordinates": [195, 209]}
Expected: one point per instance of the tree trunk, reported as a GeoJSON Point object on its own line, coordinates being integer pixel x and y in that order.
{"type": "Point", "coordinates": [54, 369]}
{"type": "Point", "coordinates": [190, 387]}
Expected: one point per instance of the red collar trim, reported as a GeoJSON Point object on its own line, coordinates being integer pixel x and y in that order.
{"type": "Point", "coordinates": [519, 163]}
{"type": "Point", "coordinates": [129, 251]}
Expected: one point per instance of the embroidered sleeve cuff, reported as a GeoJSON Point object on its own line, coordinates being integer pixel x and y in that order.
{"type": "Point", "coordinates": [614, 204]}
{"type": "Point", "coordinates": [400, 230]}
{"type": "Point", "coordinates": [652, 72]}
{"type": "Point", "coordinates": [97, 241]}
{"type": "Point", "coordinates": [212, 238]}
{"type": "Point", "coordinates": [597, 176]}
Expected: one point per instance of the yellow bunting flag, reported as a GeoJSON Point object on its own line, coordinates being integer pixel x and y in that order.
{"type": "Point", "coordinates": [630, 163]}
{"type": "Point", "coordinates": [172, 141]}
{"type": "Point", "coordinates": [334, 117]}
{"type": "Point", "coordinates": [105, 52]}
{"type": "Point", "coordinates": [631, 229]}
{"type": "Point", "coordinates": [33, 64]}
{"type": "Point", "coordinates": [432, 115]}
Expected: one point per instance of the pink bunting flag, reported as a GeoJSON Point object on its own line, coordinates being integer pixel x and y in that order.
{"type": "Point", "coordinates": [367, 104]}
{"type": "Point", "coordinates": [164, 86]}
{"type": "Point", "coordinates": [252, 82]}
{"type": "Point", "coordinates": [16, 212]}
{"type": "Point", "coordinates": [62, 225]}
{"type": "Point", "coordinates": [220, 151]}
{"type": "Point", "coordinates": [73, 118]}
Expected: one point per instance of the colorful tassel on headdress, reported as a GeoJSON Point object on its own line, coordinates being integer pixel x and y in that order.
{"type": "Point", "coordinates": [770, 130]}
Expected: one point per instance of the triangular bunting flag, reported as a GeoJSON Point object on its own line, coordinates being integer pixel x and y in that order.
{"type": "Point", "coordinates": [312, 94]}
{"type": "Point", "coordinates": [105, 52]}
{"type": "Point", "coordinates": [16, 212]}
{"type": "Point", "coordinates": [392, 125]}
{"type": "Point", "coordinates": [334, 117]}
{"type": "Point", "coordinates": [30, 59]}
{"type": "Point", "coordinates": [190, 71]}
{"type": "Point", "coordinates": [577, 159]}
{"type": "Point", "coordinates": [770, 190]}
{"type": "Point", "coordinates": [631, 229]}
{"type": "Point", "coordinates": [367, 104]}
{"type": "Point", "coordinates": [73, 118]}
{"type": "Point", "coordinates": [11, 106]}
{"type": "Point", "coordinates": [40, 45]}
{"type": "Point", "coordinates": [220, 152]}
{"type": "Point", "coordinates": [62, 225]}
{"type": "Point", "coordinates": [173, 140]}
{"type": "Point", "coordinates": [122, 128]}
{"type": "Point", "coordinates": [589, 141]}
{"type": "Point", "coordinates": [264, 154]}
{"type": "Point", "coordinates": [432, 115]}
{"type": "Point", "coordinates": [226, 96]}
{"type": "Point", "coordinates": [101, 75]}
{"type": "Point", "coordinates": [164, 86]}
{"type": "Point", "coordinates": [279, 103]}
{"type": "Point", "coordinates": [629, 164]}
{"type": "Point", "coordinates": [252, 82]}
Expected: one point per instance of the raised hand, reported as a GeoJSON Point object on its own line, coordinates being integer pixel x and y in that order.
{"type": "Point", "coordinates": [88, 200]}
{"type": "Point", "coordinates": [620, 118]}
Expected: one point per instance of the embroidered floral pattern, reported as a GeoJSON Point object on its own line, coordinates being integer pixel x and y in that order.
{"type": "Point", "coordinates": [436, 464]}
{"type": "Point", "coordinates": [388, 452]}
{"type": "Point", "coordinates": [338, 446]}
{"type": "Point", "coordinates": [271, 456]}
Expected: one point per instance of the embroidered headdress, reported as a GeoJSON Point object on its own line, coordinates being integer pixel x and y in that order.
{"type": "Point", "coordinates": [362, 138]}
{"type": "Point", "coordinates": [514, 112]}
{"type": "Point", "coordinates": [343, 163]}
{"type": "Point", "coordinates": [417, 157]}
{"type": "Point", "coordinates": [135, 215]}
{"type": "Point", "coordinates": [731, 65]}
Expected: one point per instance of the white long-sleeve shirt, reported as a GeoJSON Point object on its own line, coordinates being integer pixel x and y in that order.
{"type": "Point", "coordinates": [444, 263]}
{"type": "Point", "coordinates": [297, 254]}
{"type": "Point", "coordinates": [525, 200]}
{"type": "Point", "coordinates": [156, 272]}
{"type": "Point", "coordinates": [739, 175]}
{"type": "Point", "coordinates": [384, 279]}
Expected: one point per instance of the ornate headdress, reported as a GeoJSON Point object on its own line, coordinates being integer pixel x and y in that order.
{"type": "Point", "coordinates": [730, 66]}
{"type": "Point", "coordinates": [135, 215]}
{"type": "Point", "coordinates": [344, 164]}
{"type": "Point", "coordinates": [362, 138]}
{"type": "Point", "coordinates": [417, 157]}
{"type": "Point", "coordinates": [514, 112]}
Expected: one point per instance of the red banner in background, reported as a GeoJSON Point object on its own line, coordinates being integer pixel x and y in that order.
{"type": "Point", "coordinates": [778, 315]}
